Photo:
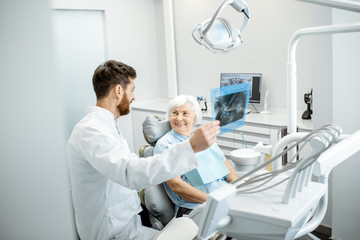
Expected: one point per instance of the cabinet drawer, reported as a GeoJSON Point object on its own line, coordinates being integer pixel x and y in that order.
{"type": "Point", "coordinates": [227, 151]}
{"type": "Point", "coordinates": [254, 129]}
{"type": "Point", "coordinates": [241, 145]}
{"type": "Point", "coordinates": [253, 138]}
{"type": "Point", "coordinates": [264, 130]}
{"type": "Point", "coordinates": [223, 142]}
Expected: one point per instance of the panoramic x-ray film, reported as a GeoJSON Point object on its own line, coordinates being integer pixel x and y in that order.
{"type": "Point", "coordinates": [229, 105]}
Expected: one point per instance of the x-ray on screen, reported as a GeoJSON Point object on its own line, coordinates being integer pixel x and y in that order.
{"type": "Point", "coordinates": [229, 105]}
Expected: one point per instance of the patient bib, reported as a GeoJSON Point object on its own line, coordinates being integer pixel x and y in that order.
{"type": "Point", "coordinates": [211, 168]}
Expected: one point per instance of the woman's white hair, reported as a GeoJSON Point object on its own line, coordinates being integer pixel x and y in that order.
{"type": "Point", "coordinates": [181, 100]}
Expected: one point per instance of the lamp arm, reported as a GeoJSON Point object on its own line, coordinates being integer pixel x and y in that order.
{"type": "Point", "coordinates": [241, 6]}
{"type": "Point", "coordinates": [341, 4]}
{"type": "Point", "coordinates": [291, 77]}
{"type": "Point", "coordinates": [238, 5]}
{"type": "Point", "coordinates": [220, 8]}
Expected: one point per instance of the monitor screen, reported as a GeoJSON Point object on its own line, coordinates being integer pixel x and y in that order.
{"type": "Point", "coordinates": [227, 79]}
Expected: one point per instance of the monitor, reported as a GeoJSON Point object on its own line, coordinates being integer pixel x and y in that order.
{"type": "Point", "coordinates": [227, 79]}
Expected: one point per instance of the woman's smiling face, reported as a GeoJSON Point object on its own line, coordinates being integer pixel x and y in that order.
{"type": "Point", "coordinates": [182, 119]}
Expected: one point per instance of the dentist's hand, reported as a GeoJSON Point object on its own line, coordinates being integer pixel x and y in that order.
{"type": "Point", "coordinates": [205, 136]}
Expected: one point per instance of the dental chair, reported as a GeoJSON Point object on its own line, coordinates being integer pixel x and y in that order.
{"type": "Point", "coordinates": [161, 209]}
{"type": "Point", "coordinates": [283, 204]}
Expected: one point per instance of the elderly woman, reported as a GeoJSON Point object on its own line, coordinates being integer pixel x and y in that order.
{"type": "Point", "coordinates": [184, 112]}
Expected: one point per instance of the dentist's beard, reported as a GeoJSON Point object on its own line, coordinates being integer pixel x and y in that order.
{"type": "Point", "coordinates": [124, 106]}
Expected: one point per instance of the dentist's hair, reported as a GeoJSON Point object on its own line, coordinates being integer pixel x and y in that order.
{"type": "Point", "coordinates": [181, 100]}
{"type": "Point", "coordinates": [110, 74]}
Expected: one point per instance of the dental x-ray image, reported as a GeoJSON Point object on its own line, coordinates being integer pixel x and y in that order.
{"type": "Point", "coordinates": [229, 105]}
{"type": "Point", "coordinates": [230, 108]}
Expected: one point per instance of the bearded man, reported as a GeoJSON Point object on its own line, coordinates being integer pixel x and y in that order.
{"type": "Point", "coordinates": [105, 176]}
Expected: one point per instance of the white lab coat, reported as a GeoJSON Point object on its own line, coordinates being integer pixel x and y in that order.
{"type": "Point", "coordinates": [105, 176]}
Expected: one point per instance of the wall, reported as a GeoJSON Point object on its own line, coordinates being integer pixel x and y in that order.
{"type": "Point", "coordinates": [35, 202]}
{"type": "Point", "coordinates": [264, 49]}
{"type": "Point", "coordinates": [79, 47]}
{"type": "Point", "coordinates": [322, 83]}
{"type": "Point", "coordinates": [335, 90]}
{"type": "Point", "coordinates": [132, 36]}
{"type": "Point", "coordinates": [346, 113]}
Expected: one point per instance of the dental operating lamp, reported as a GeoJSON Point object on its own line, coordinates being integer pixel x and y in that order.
{"type": "Point", "coordinates": [218, 34]}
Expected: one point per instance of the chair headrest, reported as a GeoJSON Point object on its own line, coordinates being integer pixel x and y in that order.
{"type": "Point", "coordinates": [154, 128]}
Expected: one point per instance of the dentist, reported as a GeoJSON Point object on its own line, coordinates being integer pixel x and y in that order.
{"type": "Point", "coordinates": [105, 175]}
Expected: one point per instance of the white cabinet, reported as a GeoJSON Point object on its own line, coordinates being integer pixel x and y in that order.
{"type": "Point", "coordinates": [248, 136]}
{"type": "Point", "coordinates": [250, 132]}
{"type": "Point", "coordinates": [258, 127]}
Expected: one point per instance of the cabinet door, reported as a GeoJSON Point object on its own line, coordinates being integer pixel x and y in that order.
{"type": "Point", "coordinates": [138, 119]}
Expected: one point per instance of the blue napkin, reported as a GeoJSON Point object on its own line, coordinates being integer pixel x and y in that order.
{"type": "Point", "coordinates": [211, 168]}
